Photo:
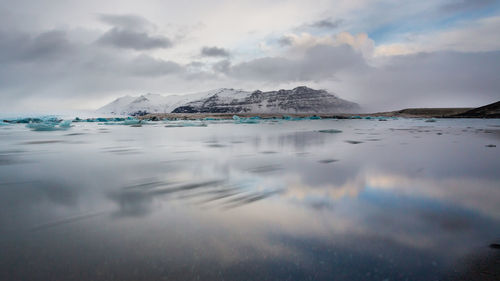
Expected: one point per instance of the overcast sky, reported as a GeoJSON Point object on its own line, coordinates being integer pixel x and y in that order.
{"type": "Point", "coordinates": [385, 55]}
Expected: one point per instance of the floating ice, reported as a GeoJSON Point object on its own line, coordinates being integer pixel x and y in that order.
{"type": "Point", "coordinates": [27, 120]}
{"type": "Point", "coordinates": [290, 118]}
{"type": "Point", "coordinates": [314, 117]}
{"type": "Point", "coordinates": [132, 122]}
{"type": "Point", "coordinates": [49, 125]}
{"type": "Point", "coordinates": [65, 124]}
{"type": "Point", "coordinates": [185, 124]}
{"type": "Point", "coordinates": [430, 120]}
{"type": "Point", "coordinates": [250, 120]}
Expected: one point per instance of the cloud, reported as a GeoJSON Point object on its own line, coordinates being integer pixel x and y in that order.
{"type": "Point", "coordinates": [129, 22]}
{"type": "Point", "coordinates": [285, 41]}
{"type": "Point", "coordinates": [222, 66]}
{"type": "Point", "coordinates": [476, 36]}
{"type": "Point", "coordinates": [133, 40]}
{"type": "Point", "coordinates": [327, 23]}
{"type": "Point", "coordinates": [49, 66]}
{"type": "Point", "coordinates": [149, 67]}
{"type": "Point", "coordinates": [319, 62]}
{"type": "Point", "coordinates": [131, 32]}
{"type": "Point", "coordinates": [16, 47]}
{"type": "Point", "coordinates": [464, 5]}
{"type": "Point", "coordinates": [214, 52]}
{"type": "Point", "coordinates": [302, 42]}
{"type": "Point", "coordinates": [436, 79]}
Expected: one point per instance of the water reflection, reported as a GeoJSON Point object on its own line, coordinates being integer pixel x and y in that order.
{"type": "Point", "coordinates": [317, 200]}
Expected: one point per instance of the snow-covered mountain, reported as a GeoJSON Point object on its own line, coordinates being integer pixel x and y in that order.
{"type": "Point", "coordinates": [298, 100]}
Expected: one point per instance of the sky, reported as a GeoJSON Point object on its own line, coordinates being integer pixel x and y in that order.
{"type": "Point", "coordinates": [384, 55]}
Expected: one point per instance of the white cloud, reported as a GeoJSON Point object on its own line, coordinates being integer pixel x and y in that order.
{"type": "Point", "coordinates": [479, 36]}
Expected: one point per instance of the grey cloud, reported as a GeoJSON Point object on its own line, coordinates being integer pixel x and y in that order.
{"type": "Point", "coordinates": [463, 5]}
{"type": "Point", "coordinates": [268, 68]}
{"type": "Point", "coordinates": [24, 47]}
{"type": "Point", "coordinates": [136, 40]}
{"type": "Point", "coordinates": [326, 23]}
{"type": "Point", "coordinates": [50, 65]}
{"type": "Point", "coordinates": [214, 52]}
{"type": "Point", "coordinates": [437, 79]}
{"type": "Point", "coordinates": [196, 64]}
{"type": "Point", "coordinates": [148, 67]}
{"type": "Point", "coordinates": [129, 22]}
{"type": "Point", "coordinates": [222, 66]}
{"type": "Point", "coordinates": [285, 41]}
{"type": "Point", "coordinates": [319, 62]}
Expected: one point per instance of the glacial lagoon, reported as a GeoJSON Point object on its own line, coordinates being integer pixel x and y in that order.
{"type": "Point", "coordinates": [324, 199]}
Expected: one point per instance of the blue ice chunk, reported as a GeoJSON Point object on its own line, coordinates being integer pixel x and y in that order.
{"type": "Point", "coordinates": [290, 118]}
{"type": "Point", "coordinates": [251, 120]}
{"type": "Point", "coordinates": [65, 124]}
{"type": "Point", "coordinates": [49, 125]}
{"type": "Point", "coordinates": [315, 117]}
{"type": "Point", "coordinates": [185, 124]}
{"type": "Point", "coordinates": [27, 120]}
{"type": "Point", "coordinates": [45, 126]}
{"type": "Point", "coordinates": [132, 122]}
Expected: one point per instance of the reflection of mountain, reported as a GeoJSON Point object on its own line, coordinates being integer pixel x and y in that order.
{"type": "Point", "coordinates": [298, 100]}
{"type": "Point", "coordinates": [137, 199]}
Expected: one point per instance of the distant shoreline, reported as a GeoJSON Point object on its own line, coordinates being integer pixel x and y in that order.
{"type": "Point", "coordinates": [405, 113]}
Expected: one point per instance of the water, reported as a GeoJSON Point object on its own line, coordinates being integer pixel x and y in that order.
{"type": "Point", "coordinates": [279, 200]}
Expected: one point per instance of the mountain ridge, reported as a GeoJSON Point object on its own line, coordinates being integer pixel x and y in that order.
{"type": "Point", "coordinates": [227, 100]}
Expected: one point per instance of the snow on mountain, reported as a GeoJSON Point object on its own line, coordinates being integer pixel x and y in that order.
{"type": "Point", "coordinates": [298, 100]}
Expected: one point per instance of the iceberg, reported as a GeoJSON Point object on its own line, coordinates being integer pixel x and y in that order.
{"type": "Point", "coordinates": [250, 120]}
{"type": "Point", "coordinates": [49, 125]}
{"type": "Point", "coordinates": [65, 124]}
{"type": "Point", "coordinates": [132, 121]}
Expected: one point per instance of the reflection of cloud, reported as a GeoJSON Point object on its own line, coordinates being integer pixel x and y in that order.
{"type": "Point", "coordinates": [481, 195]}
{"type": "Point", "coordinates": [299, 190]}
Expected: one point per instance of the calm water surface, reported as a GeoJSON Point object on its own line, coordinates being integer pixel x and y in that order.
{"type": "Point", "coordinates": [395, 200]}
